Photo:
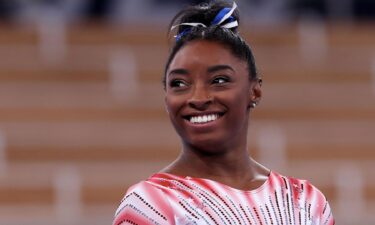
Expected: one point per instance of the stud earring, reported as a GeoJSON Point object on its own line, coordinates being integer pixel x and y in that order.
{"type": "Point", "coordinates": [253, 105]}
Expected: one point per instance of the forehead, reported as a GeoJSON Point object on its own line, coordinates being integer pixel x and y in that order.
{"type": "Point", "coordinates": [205, 53]}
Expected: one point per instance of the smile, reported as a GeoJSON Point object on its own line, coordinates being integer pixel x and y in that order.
{"type": "Point", "coordinates": [203, 118]}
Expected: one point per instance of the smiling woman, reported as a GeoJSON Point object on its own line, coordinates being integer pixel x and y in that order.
{"type": "Point", "coordinates": [204, 80]}
{"type": "Point", "coordinates": [211, 87]}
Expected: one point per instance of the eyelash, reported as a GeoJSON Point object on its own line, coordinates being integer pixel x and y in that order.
{"type": "Point", "coordinates": [177, 83]}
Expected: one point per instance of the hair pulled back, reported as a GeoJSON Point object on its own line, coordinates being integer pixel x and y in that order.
{"type": "Point", "coordinates": [205, 13]}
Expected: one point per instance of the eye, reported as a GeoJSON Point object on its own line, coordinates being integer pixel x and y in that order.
{"type": "Point", "coordinates": [177, 83]}
{"type": "Point", "coordinates": [221, 80]}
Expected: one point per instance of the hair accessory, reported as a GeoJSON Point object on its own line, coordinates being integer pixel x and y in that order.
{"type": "Point", "coordinates": [223, 15]}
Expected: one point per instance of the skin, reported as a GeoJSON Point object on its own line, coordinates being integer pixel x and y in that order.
{"type": "Point", "coordinates": [206, 78]}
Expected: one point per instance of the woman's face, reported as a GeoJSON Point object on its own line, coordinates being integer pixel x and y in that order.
{"type": "Point", "coordinates": [208, 95]}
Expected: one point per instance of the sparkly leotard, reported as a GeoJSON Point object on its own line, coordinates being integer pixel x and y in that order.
{"type": "Point", "coordinates": [169, 199]}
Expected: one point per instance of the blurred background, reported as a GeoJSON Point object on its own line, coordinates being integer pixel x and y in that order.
{"type": "Point", "coordinates": [82, 115]}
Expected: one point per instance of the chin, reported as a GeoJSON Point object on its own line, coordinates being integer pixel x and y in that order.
{"type": "Point", "coordinates": [207, 146]}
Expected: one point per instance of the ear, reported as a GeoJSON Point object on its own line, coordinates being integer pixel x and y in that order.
{"type": "Point", "coordinates": [255, 94]}
{"type": "Point", "coordinates": [165, 104]}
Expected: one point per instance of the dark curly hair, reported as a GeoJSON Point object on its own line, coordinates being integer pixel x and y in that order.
{"type": "Point", "coordinates": [205, 13]}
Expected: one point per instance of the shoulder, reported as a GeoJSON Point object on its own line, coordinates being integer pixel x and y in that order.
{"type": "Point", "coordinates": [305, 195]}
{"type": "Point", "coordinates": [144, 203]}
{"type": "Point", "coordinates": [296, 185]}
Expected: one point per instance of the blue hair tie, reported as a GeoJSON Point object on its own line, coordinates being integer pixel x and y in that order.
{"type": "Point", "coordinates": [220, 16]}
{"type": "Point", "coordinates": [182, 33]}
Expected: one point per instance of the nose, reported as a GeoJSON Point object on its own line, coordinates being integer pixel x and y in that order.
{"type": "Point", "coordinates": [200, 98]}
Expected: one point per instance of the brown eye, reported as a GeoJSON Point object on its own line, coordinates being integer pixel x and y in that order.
{"type": "Point", "coordinates": [221, 80]}
{"type": "Point", "coordinates": [177, 83]}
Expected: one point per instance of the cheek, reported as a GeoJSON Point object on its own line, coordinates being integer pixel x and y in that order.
{"type": "Point", "coordinates": [172, 105]}
{"type": "Point", "coordinates": [239, 99]}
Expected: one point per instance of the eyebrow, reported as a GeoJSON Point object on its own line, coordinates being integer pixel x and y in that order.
{"type": "Point", "coordinates": [219, 67]}
{"type": "Point", "coordinates": [210, 69]}
{"type": "Point", "coordinates": [178, 71]}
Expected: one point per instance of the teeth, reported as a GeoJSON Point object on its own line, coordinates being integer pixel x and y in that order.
{"type": "Point", "coordinates": [203, 119]}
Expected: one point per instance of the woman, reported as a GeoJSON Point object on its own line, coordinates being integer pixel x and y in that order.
{"type": "Point", "coordinates": [211, 87]}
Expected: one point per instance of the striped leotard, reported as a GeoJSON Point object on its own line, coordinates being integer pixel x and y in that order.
{"type": "Point", "coordinates": [169, 199]}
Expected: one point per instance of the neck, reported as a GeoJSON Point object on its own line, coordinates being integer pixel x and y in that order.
{"type": "Point", "coordinates": [229, 164]}
{"type": "Point", "coordinates": [233, 161]}
{"type": "Point", "coordinates": [233, 167]}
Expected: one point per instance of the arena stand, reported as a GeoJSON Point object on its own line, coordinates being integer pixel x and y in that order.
{"type": "Point", "coordinates": [82, 116]}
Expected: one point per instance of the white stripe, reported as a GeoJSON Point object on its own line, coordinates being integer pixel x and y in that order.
{"type": "Point", "coordinates": [223, 193]}
{"type": "Point", "coordinates": [226, 16]}
{"type": "Point", "coordinates": [188, 24]}
{"type": "Point", "coordinates": [230, 25]}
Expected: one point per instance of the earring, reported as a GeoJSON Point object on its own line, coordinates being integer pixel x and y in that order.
{"type": "Point", "coordinates": [253, 105]}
